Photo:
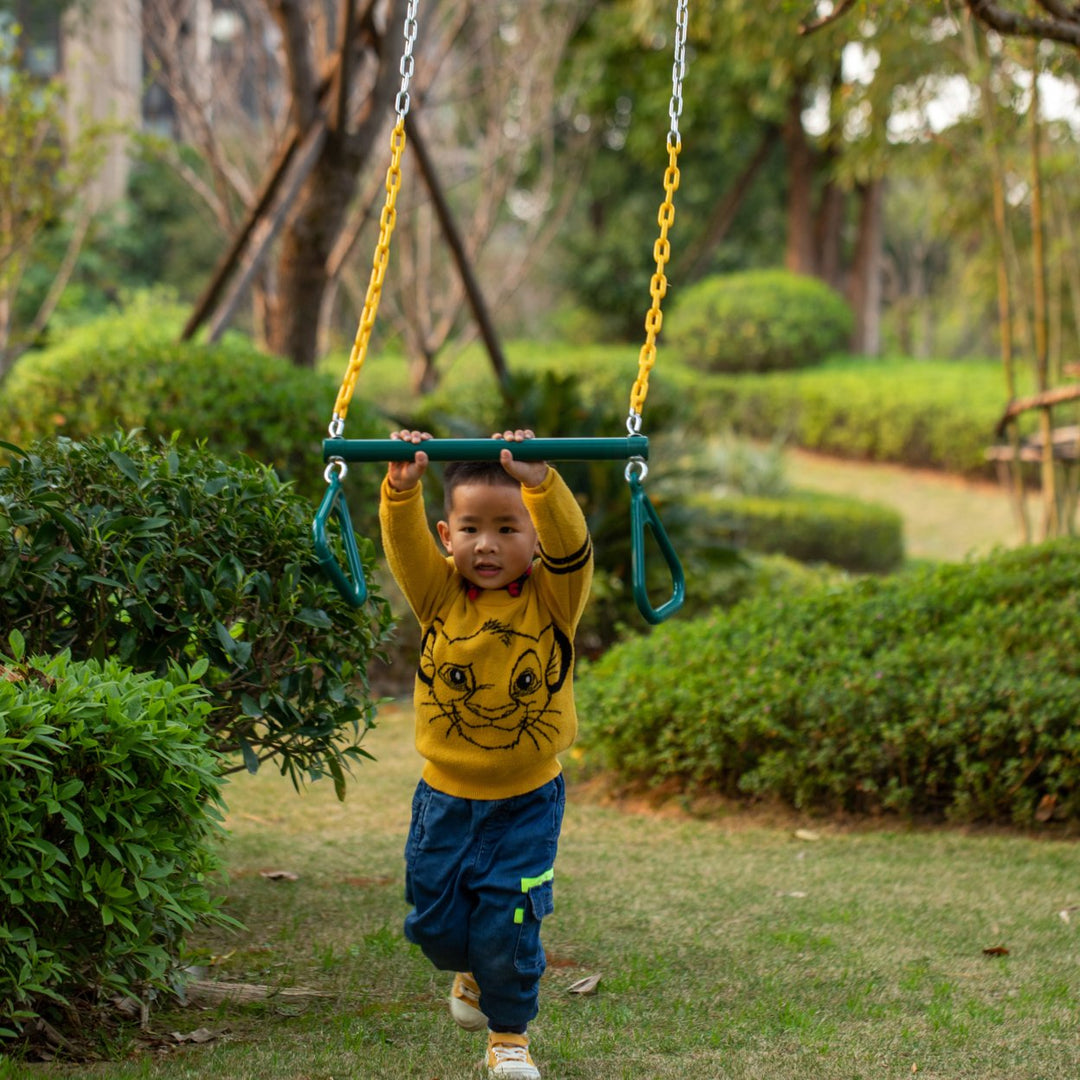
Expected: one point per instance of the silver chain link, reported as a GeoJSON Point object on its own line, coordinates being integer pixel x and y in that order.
{"type": "Point", "coordinates": [401, 103]}
{"type": "Point", "coordinates": [678, 71]}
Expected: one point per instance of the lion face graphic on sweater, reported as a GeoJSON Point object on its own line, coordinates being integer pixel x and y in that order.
{"type": "Point", "coordinates": [493, 688]}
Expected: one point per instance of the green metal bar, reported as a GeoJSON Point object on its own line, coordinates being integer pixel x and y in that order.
{"type": "Point", "coordinates": [620, 449]}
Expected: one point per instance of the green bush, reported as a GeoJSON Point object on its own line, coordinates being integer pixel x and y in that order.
{"type": "Point", "coordinates": [757, 320]}
{"type": "Point", "coordinates": [950, 691]}
{"type": "Point", "coordinates": [809, 527]}
{"type": "Point", "coordinates": [131, 372]}
{"type": "Point", "coordinates": [163, 555]}
{"type": "Point", "coordinates": [110, 798]}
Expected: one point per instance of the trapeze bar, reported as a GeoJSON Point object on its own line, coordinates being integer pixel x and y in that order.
{"type": "Point", "coordinates": [618, 449]}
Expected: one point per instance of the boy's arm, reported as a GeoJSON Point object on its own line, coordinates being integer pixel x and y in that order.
{"type": "Point", "coordinates": [418, 566]}
{"type": "Point", "coordinates": [566, 553]}
{"type": "Point", "coordinates": [411, 552]}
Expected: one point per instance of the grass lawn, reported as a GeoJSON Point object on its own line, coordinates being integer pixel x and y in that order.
{"type": "Point", "coordinates": [731, 947]}
{"type": "Point", "coordinates": [946, 517]}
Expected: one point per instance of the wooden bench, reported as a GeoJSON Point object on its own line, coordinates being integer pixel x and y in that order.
{"type": "Point", "coordinates": [1065, 442]}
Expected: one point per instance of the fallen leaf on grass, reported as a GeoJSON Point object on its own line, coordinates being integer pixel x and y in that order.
{"type": "Point", "coordinates": [807, 834]}
{"type": "Point", "coordinates": [996, 950]}
{"type": "Point", "coordinates": [588, 985]}
{"type": "Point", "coordinates": [279, 875]}
{"type": "Point", "coordinates": [199, 1035]}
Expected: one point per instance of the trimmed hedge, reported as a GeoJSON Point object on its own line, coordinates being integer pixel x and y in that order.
{"type": "Point", "coordinates": [110, 798]}
{"type": "Point", "coordinates": [813, 528]}
{"type": "Point", "coordinates": [916, 413]}
{"type": "Point", "coordinates": [758, 320]}
{"type": "Point", "coordinates": [950, 691]}
{"type": "Point", "coordinates": [130, 372]}
{"type": "Point", "coordinates": [921, 413]}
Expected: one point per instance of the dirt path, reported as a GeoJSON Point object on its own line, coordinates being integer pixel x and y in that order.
{"type": "Point", "coordinates": [945, 517]}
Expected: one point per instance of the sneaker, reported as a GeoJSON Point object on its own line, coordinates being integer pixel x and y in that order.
{"type": "Point", "coordinates": [508, 1057]}
{"type": "Point", "coordinates": [465, 1003]}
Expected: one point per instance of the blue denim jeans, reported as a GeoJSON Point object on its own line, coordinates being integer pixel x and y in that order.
{"type": "Point", "coordinates": [479, 876]}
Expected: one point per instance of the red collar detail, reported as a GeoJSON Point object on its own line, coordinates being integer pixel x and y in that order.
{"type": "Point", "coordinates": [514, 588]}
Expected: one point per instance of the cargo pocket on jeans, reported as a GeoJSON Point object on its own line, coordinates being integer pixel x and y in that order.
{"type": "Point", "coordinates": [535, 904]}
{"type": "Point", "coordinates": [415, 838]}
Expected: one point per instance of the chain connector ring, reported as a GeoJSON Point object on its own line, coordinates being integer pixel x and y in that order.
{"type": "Point", "coordinates": [335, 464]}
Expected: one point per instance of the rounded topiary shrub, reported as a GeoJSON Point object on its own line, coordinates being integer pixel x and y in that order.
{"type": "Point", "coordinates": [158, 555]}
{"type": "Point", "coordinates": [758, 320]}
{"type": "Point", "coordinates": [131, 372]}
{"type": "Point", "coordinates": [110, 797]}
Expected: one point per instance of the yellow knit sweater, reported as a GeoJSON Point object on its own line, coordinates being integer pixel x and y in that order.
{"type": "Point", "coordinates": [494, 695]}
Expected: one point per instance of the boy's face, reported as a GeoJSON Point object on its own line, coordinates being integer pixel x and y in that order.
{"type": "Point", "coordinates": [489, 534]}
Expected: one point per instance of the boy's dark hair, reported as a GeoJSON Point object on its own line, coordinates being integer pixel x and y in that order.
{"type": "Point", "coordinates": [457, 473]}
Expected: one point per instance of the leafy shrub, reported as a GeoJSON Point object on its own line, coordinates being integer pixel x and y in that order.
{"type": "Point", "coordinates": [950, 691]}
{"type": "Point", "coordinates": [110, 794]}
{"type": "Point", "coordinates": [131, 372]}
{"type": "Point", "coordinates": [758, 320]}
{"type": "Point", "coordinates": [162, 555]}
{"type": "Point", "coordinates": [809, 527]}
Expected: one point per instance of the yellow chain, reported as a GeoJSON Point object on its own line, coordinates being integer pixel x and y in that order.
{"type": "Point", "coordinates": [658, 285]}
{"type": "Point", "coordinates": [378, 273]}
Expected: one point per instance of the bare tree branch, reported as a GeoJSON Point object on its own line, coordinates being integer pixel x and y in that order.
{"type": "Point", "coordinates": [810, 25]}
{"type": "Point", "coordinates": [291, 17]}
{"type": "Point", "coordinates": [56, 289]}
{"type": "Point", "coordinates": [1066, 12]}
{"type": "Point", "coordinates": [1012, 24]}
{"type": "Point", "coordinates": [1063, 25]}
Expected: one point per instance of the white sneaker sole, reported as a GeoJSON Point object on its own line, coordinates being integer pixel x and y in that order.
{"type": "Point", "coordinates": [467, 1016]}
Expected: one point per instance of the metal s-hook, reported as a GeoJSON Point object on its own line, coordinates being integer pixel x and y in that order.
{"type": "Point", "coordinates": [642, 516]}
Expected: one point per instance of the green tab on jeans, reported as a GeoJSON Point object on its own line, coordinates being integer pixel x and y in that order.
{"type": "Point", "coordinates": [528, 883]}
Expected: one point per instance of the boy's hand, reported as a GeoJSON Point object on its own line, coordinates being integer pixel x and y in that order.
{"type": "Point", "coordinates": [528, 473]}
{"type": "Point", "coordinates": [404, 475]}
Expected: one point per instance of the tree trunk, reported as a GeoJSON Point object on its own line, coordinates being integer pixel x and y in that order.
{"type": "Point", "coordinates": [799, 256]}
{"type": "Point", "coordinates": [723, 214]}
{"type": "Point", "coordinates": [292, 318]}
{"type": "Point", "coordinates": [322, 204]}
{"type": "Point", "coordinates": [1042, 359]}
{"type": "Point", "coordinates": [1004, 285]}
{"type": "Point", "coordinates": [865, 289]}
{"type": "Point", "coordinates": [830, 228]}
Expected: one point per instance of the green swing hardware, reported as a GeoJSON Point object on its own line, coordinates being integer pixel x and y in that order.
{"type": "Point", "coordinates": [642, 516]}
{"type": "Point", "coordinates": [333, 505]}
{"type": "Point", "coordinates": [619, 449]}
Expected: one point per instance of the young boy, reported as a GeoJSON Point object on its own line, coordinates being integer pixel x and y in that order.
{"type": "Point", "coordinates": [494, 706]}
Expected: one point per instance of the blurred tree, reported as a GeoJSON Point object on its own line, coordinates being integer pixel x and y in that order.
{"type": "Point", "coordinates": [787, 135]}
{"type": "Point", "coordinates": [318, 82]}
{"type": "Point", "coordinates": [290, 85]}
{"type": "Point", "coordinates": [41, 174]}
